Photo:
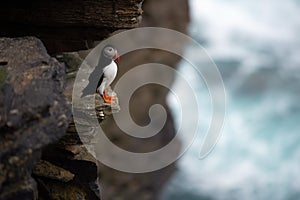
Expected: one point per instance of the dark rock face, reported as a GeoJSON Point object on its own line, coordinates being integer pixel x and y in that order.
{"type": "Point", "coordinates": [65, 25]}
{"type": "Point", "coordinates": [68, 171]}
{"type": "Point", "coordinates": [33, 112]}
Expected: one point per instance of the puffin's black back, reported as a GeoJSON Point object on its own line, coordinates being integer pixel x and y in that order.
{"type": "Point", "coordinates": [96, 77]}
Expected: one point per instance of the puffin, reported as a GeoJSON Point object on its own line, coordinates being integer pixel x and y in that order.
{"type": "Point", "coordinates": [104, 73]}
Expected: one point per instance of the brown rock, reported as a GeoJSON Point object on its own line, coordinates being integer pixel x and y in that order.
{"type": "Point", "coordinates": [31, 103]}
{"type": "Point", "coordinates": [47, 170]}
{"type": "Point", "coordinates": [68, 25]}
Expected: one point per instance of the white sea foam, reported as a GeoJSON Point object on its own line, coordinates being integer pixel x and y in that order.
{"type": "Point", "coordinates": [242, 28]}
{"type": "Point", "coordinates": [258, 156]}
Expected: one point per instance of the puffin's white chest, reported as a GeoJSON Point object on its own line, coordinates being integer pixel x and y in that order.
{"type": "Point", "coordinates": [110, 72]}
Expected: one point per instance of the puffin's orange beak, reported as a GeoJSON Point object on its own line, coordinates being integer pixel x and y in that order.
{"type": "Point", "coordinates": [117, 57]}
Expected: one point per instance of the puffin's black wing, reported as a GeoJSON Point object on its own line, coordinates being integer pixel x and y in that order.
{"type": "Point", "coordinates": [93, 81]}
{"type": "Point", "coordinates": [96, 77]}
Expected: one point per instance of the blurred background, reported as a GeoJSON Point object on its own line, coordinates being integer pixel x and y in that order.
{"type": "Point", "coordinates": [256, 46]}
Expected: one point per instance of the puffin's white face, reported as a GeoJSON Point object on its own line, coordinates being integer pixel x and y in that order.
{"type": "Point", "coordinates": [110, 52]}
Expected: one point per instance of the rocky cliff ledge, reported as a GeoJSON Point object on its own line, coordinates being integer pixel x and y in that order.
{"type": "Point", "coordinates": [29, 136]}
{"type": "Point", "coordinates": [173, 14]}
{"type": "Point", "coordinates": [65, 25]}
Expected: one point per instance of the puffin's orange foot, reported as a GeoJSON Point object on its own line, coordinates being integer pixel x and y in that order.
{"type": "Point", "coordinates": [107, 99]}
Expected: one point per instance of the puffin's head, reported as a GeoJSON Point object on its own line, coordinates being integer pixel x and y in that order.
{"type": "Point", "coordinates": [111, 53]}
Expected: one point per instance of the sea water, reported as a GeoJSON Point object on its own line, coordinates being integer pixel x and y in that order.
{"type": "Point", "coordinates": [256, 46]}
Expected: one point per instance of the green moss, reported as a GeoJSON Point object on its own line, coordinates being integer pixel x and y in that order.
{"type": "Point", "coordinates": [3, 76]}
